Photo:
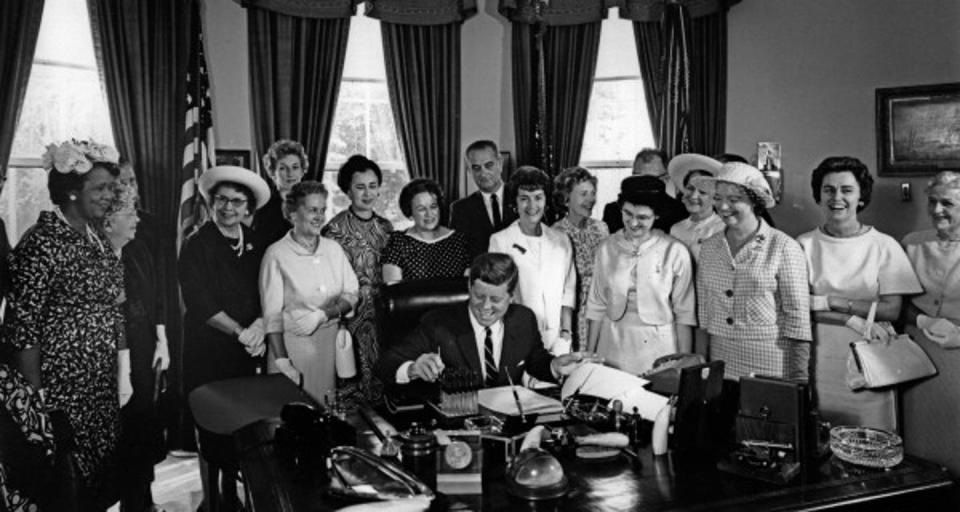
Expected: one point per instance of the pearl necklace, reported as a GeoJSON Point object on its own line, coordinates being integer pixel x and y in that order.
{"type": "Point", "coordinates": [239, 248]}
{"type": "Point", "coordinates": [91, 236]}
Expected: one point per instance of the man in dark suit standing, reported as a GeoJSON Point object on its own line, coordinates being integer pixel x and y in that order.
{"type": "Point", "coordinates": [489, 335]}
{"type": "Point", "coordinates": [482, 213]}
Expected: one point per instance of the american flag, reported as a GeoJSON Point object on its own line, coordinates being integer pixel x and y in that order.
{"type": "Point", "coordinates": [198, 148]}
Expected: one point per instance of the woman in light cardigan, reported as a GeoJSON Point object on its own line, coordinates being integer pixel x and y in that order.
{"type": "Point", "coordinates": [544, 257]}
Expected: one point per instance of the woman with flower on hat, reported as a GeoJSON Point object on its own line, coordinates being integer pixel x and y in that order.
{"type": "Point", "coordinates": [852, 265]}
{"type": "Point", "coordinates": [641, 301]}
{"type": "Point", "coordinates": [63, 324]}
{"type": "Point", "coordinates": [752, 289]}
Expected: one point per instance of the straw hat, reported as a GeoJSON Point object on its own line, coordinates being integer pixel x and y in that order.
{"type": "Point", "coordinates": [681, 165]}
{"type": "Point", "coordinates": [740, 174]}
{"type": "Point", "coordinates": [232, 173]}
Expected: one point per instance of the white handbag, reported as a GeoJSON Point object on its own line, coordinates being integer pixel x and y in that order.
{"type": "Point", "coordinates": [345, 361]}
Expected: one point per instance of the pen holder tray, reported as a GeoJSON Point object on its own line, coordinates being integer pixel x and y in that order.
{"type": "Point", "coordinates": [592, 411]}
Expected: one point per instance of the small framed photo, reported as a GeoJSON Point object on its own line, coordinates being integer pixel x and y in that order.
{"type": "Point", "coordinates": [918, 129]}
{"type": "Point", "coordinates": [768, 156]}
{"type": "Point", "coordinates": [237, 157]}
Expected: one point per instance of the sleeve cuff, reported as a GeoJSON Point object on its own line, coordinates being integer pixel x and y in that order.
{"type": "Point", "coordinates": [403, 375]}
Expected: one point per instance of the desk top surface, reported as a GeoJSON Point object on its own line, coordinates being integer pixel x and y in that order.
{"type": "Point", "coordinates": [643, 482]}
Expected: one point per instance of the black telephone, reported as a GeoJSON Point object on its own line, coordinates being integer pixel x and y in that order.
{"type": "Point", "coordinates": [307, 435]}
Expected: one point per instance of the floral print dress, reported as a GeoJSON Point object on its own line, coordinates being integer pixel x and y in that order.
{"type": "Point", "coordinates": [363, 241]}
{"type": "Point", "coordinates": [65, 299]}
{"type": "Point", "coordinates": [586, 240]}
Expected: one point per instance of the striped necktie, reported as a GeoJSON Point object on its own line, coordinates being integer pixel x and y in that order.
{"type": "Point", "coordinates": [489, 362]}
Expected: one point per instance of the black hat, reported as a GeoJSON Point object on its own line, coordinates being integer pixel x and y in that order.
{"type": "Point", "coordinates": [645, 190]}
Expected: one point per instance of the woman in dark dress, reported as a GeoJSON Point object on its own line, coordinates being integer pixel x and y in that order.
{"type": "Point", "coordinates": [428, 249]}
{"type": "Point", "coordinates": [286, 163]}
{"type": "Point", "coordinates": [218, 269]}
{"type": "Point", "coordinates": [363, 234]}
{"type": "Point", "coordinates": [63, 322]}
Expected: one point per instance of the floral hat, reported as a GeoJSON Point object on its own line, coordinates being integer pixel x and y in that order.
{"type": "Point", "coordinates": [78, 156]}
{"type": "Point", "coordinates": [745, 175]}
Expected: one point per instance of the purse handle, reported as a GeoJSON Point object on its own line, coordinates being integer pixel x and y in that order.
{"type": "Point", "coordinates": [868, 326]}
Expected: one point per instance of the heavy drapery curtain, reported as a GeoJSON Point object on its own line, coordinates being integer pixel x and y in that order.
{"type": "Point", "coordinates": [421, 49]}
{"type": "Point", "coordinates": [296, 63]}
{"type": "Point", "coordinates": [143, 48]}
{"type": "Point", "coordinates": [569, 63]}
{"type": "Point", "coordinates": [682, 47]}
{"type": "Point", "coordinates": [19, 28]}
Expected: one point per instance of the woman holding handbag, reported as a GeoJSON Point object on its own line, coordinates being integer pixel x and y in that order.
{"type": "Point", "coordinates": [851, 265]}
{"type": "Point", "coordinates": [306, 285]}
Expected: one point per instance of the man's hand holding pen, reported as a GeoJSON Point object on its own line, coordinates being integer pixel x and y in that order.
{"type": "Point", "coordinates": [427, 367]}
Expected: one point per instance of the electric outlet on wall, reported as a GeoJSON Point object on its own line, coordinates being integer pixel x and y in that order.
{"type": "Point", "coordinates": [906, 195]}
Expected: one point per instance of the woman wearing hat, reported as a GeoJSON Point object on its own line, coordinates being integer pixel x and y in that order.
{"type": "Point", "coordinates": [544, 257]}
{"type": "Point", "coordinates": [703, 222]}
{"type": "Point", "coordinates": [752, 283]}
{"type": "Point", "coordinates": [641, 301]}
{"type": "Point", "coordinates": [852, 265]}
{"type": "Point", "coordinates": [218, 270]}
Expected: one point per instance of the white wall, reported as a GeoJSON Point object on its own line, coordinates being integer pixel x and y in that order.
{"type": "Point", "coordinates": [803, 73]}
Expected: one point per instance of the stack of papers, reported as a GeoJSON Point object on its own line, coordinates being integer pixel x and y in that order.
{"type": "Point", "coordinates": [500, 400]}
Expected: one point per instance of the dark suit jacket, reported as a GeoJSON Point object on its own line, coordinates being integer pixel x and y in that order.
{"type": "Point", "coordinates": [469, 215]}
{"type": "Point", "coordinates": [449, 330]}
{"type": "Point", "coordinates": [674, 214]}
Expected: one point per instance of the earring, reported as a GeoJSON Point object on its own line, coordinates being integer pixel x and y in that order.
{"type": "Point", "coordinates": [72, 197]}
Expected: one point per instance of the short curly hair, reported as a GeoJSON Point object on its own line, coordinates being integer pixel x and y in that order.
{"type": "Point", "coordinates": [299, 192]}
{"type": "Point", "coordinates": [843, 164]}
{"type": "Point", "coordinates": [418, 186]}
{"type": "Point", "coordinates": [946, 179]}
{"type": "Point", "coordinates": [281, 149]}
{"type": "Point", "coordinates": [564, 183]}
{"type": "Point", "coordinates": [355, 165]}
{"type": "Point", "coordinates": [527, 177]}
{"type": "Point", "coordinates": [61, 184]}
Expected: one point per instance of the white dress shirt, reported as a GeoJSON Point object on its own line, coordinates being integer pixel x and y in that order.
{"type": "Point", "coordinates": [489, 207]}
{"type": "Point", "coordinates": [479, 335]}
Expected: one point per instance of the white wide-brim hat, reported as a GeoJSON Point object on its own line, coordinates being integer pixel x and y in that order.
{"type": "Point", "coordinates": [231, 173]}
{"type": "Point", "coordinates": [681, 165]}
{"type": "Point", "coordinates": [739, 174]}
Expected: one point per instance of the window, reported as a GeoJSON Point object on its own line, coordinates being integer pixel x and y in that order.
{"type": "Point", "coordinates": [64, 99]}
{"type": "Point", "coordinates": [618, 124]}
{"type": "Point", "coordinates": [363, 123]}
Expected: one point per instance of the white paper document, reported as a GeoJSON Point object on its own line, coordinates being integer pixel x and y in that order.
{"type": "Point", "coordinates": [612, 384]}
{"type": "Point", "coordinates": [501, 400]}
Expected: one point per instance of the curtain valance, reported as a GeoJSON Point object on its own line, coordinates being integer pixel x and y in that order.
{"type": "Point", "coordinates": [556, 12]}
{"type": "Point", "coordinates": [652, 10]}
{"type": "Point", "coordinates": [421, 12]}
{"type": "Point", "coordinates": [305, 8]}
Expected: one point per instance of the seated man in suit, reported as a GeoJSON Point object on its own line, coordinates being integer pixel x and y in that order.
{"type": "Point", "coordinates": [482, 213]}
{"type": "Point", "coordinates": [489, 335]}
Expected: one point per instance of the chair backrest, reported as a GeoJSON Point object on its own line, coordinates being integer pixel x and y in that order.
{"type": "Point", "coordinates": [400, 305]}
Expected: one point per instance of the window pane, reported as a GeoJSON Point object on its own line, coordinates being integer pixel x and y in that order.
{"type": "Point", "coordinates": [363, 123]}
{"type": "Point", "coordinates": [617, 122]}
{"type": "Point", "coordinates": [24, 196]}
{"type": "Point", "coordinates": [65, 36]}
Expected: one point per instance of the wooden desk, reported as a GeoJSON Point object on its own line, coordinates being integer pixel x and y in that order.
{"type": "Point", "coordinates": [646, 484]}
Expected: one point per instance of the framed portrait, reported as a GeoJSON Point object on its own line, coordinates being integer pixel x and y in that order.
{"type": "Point", "coordinates": [506, 162]}
{"type": "Point", "coordinates": [238, 157]}
{"type": "Point", "coordinates": [918, 129]}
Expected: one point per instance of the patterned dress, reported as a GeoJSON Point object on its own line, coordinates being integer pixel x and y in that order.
{"type": "Point", "coordinates": [363, 240]}
{"type": "Point", "coordinates": [756, 305]}
{"type": "Point", "coordinates": [419, 259]}
{"type": "Point", "coordinates": [65, 299]}
{"type": "Point", "coordinates": [585, 240]}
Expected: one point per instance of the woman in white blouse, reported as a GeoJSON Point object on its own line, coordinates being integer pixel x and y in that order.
{"type": "Point", "coordinates": [544, 257]}
{"type": "Point", "coordinates": [852, 265]}
{"type": "Point", "coordinates": [931, 408]}
{"type": "Point", "coordinates": [306, 284]}
{"type": "Point", "coordinates": [641, 300]}
{"type": "Point", "coordinates": [703, 222]}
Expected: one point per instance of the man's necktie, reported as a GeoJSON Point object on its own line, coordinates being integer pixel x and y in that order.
{"type": "Point", "coordinates": [489, 362]}
{"type": "Point", "coordinates": [495, 207]}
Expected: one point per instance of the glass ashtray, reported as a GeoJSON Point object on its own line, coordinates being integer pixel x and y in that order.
{"type": "Point", "coordinates": [865, 446]}
{"type": "Point", "coordinates": [484, 424]}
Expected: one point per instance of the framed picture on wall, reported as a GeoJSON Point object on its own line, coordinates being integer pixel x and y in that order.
{"type": "Point", "coordinates": [918, 129]}
{"type": "Point", "coordinates": [237, 157]}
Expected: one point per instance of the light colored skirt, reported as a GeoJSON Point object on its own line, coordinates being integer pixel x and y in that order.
{"type": "Point", "coordinates": [931, 407]}
{"type": "Point", "coordinates": [313, 356]}
{"type": "Point", "coordinates": [839, 404]}
{"type": "Point", "coordinates": [631, 345]}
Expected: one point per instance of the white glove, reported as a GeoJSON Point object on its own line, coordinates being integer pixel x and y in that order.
{"type": "Point", "coordinates": [819, 303]}
{"type": "Point", "coordinates": [252, 338]}
{"type": "Point", "coordinates": [305, 322]}
{"type": "Point", "coordinates": [162, 351]}
{"type": "Point", "coordinates": [286, 368]}
{"type": "Point", "coordinates": [877, 332]}
{"type": "Point", "coordinates": [561, 346]}
{"type": "Point", "coordinates": [124, 386]}
{"type": "Point", "coordinates": [941, 331]}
